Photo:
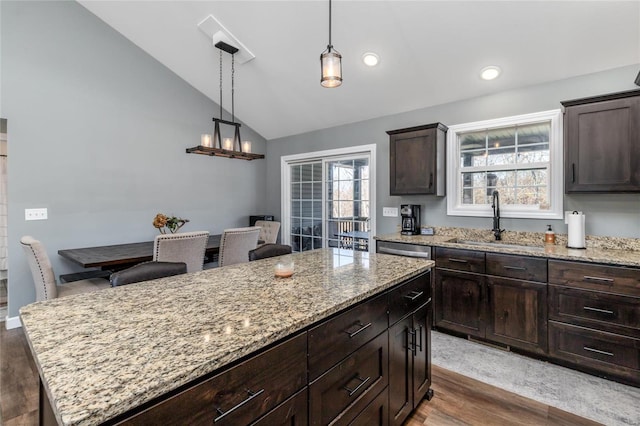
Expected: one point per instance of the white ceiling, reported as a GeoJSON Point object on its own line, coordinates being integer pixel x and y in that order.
{"type": "Point", "coordinates": [431, 51]}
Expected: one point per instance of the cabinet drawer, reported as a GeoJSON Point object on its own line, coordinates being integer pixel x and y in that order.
{"type": "Point", "coordinates": [346, 389]}
{"type": "Point", "coordinates": [611, 279]}
{"type": "Point", "coordinates": [606, 352]}
{"type": "Point", "coordinates": [618, 314]}
{"type": "Point", "coordinates": [239, 395]}
{"type": "Point", "coordinates": [523, 268]}
{"type": "Point", "coordinates": [336, 338]}
{"type": "Point", "coordinates": [408, 297]}
{"type": "Point", "coordinates": [292, 412]}
{"type": "Point", "coordinates": [460, 260]}
{"type": "Point", "coordinates": [375, 413]}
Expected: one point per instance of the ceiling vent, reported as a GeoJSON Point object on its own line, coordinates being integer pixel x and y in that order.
{"type": "Point", "coordinates": [217, 32]}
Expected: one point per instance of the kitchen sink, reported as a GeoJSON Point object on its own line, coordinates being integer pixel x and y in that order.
{"type": "Point", "coordinates": [497, 244]}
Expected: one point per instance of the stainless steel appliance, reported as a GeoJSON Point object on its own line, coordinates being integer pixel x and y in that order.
{"type": "Point", "coordinates": [403, 249]}
{"type": "Point", "coordinates": [410, 214]}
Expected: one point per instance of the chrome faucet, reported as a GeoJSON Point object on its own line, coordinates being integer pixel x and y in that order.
{"type": "Point", "coordinates": [496, 215]}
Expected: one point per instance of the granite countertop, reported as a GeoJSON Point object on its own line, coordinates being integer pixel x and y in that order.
{"type": "Point", "coordinates": [103, 353]}
{"type": "Point", "coordinates": [610, 251]}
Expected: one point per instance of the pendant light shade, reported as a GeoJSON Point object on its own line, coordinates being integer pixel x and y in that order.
{"type": "Point", "coordinates": [331, 63]}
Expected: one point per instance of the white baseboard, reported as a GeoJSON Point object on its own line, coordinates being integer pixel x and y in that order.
{"type": "Point", "coordinates": [12, 322]}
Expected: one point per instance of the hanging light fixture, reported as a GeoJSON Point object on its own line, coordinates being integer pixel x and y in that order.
{"type": "Point", "coordinates": [331, 63]}
{"type": "Point", "coordinates": [232, 148]}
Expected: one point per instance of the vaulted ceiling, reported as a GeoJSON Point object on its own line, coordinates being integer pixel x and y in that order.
{"type": "Point", "coordinates": [431, 52]}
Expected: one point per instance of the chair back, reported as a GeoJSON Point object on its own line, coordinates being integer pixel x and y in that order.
{"type": "Point", "coordinates": [235, 244]}
{"type": "Point", "coordinates": [146, 271]}
{"type": "Point", "coordinates": [187, 247]}
{"type": "Point", "coordinates": [269, 250]}
{"type": "Point", "coordinates": [268, 231]}
{"type": "Point", "coordinates": [41, 270]}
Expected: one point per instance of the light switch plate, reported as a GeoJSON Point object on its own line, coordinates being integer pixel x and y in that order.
{"type": "Point", "coordinates": [390, 211]}
{"type": "Point", "coordinates": [35, 214]}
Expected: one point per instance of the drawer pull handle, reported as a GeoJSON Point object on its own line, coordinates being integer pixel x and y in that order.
{"type": "Point", "coordinates": [357, 388]}
{"type": "Point", "coordinates": [602, 311]}
{"type": "Point", "coordinates": [453, 259]}
{"type": "Point", "coordinates": [515, 268]}
{"type": "Point", "coordinates": [225, 413]}
{"type": "Point", "coordinates": [358, 331]}
{"type": "Point", "coordinates": [604, 280]}
{"type": "Point", "coordinates": [413, 295]}
{"type": "Point", "coordinates": [587, 348]}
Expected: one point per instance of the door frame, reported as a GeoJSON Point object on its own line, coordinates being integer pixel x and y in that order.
{"type": "Point", "coordinates": [285, 181]}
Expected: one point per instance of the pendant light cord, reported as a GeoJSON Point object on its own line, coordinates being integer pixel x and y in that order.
{"type": "Point", "coordinates": [220, 84]}
{"type": "Point", "coordinates": [233, 72]}
{"type": "Point", "coordinates": [330, 46]}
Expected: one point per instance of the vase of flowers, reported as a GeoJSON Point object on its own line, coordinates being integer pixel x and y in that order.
{"type": "Point", "coordinates": [172, 223]}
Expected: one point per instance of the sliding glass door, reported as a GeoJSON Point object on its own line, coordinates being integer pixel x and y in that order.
{"type": "Point", "coordinates": [326, 200]}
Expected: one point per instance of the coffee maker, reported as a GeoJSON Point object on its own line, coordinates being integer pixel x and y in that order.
{"type": "Point", "coordinates": [410, 214]}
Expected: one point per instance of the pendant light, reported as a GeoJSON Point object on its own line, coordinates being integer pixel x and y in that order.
{"type": "Point", "coordinates": [331, 63]}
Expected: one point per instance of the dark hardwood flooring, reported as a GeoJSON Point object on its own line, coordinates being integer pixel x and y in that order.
{"type": "Point", "coordinates": [458, 400]}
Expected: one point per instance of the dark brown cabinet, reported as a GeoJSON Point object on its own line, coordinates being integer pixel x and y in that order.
{"type": "Point", "coordinates": [459, 302]}
{"type": "Point", "coordinates": [502, 298]}
{"type": "Point", "coordinates": [594, 318]}
{"type": "Point", "coordinates": [417, 160]}
{"type": "Point", "coordinates": [602, 143]}
{"type": "Point", "coordinates": [409, 361]}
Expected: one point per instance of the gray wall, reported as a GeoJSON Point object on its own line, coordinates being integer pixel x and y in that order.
{"type": "Point", "coordinates": [607, 214]}
{"type": "Point", "coordinates": [97, 134]}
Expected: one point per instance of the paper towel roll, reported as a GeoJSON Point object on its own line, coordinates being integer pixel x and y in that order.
{"type": "Point", "coordinates": [575, 237]}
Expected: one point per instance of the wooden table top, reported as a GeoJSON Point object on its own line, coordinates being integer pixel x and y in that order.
{"type": "Point", "coordinates": [123, 254]}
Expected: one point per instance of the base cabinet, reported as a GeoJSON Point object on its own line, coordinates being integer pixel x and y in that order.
{"type": "Point", "coordinates": [459, 302]}
{"type": "Point", "coordinates": [409, 362]}
{"type": "Point", "coordinates": [517, 313]}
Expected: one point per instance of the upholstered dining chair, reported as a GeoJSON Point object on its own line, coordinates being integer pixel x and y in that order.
{"type": "Point", "coordinates": [268, 231]}
{"type": "Point", "coordinates": [44, 278]}
{"type": "Point", "coordinates": [146, 271]}
{"type": "Point", "coordinates": [235, 244]}
{"type": "Point", "coordinates": [269, 250]}
{"type": "Point", "coordinates": [187, 247]}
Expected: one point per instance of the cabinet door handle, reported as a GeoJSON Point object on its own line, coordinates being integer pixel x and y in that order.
{"type": "Point", "coordinates": [573, 172]}
{"type": "Point", "coordinates": [358, 331]}
{"type": "Point", "coordinates": [602, 311]}
{"type": "Point", "coordinates": [411, 344]}
{"type": "Point", "coordinates": [604, 280]}
{"type": "Point", "coordinates": [420, 345]}
{"type": "Point", "coordinates": [587, 348]}
{"type": "Point", "coordinates": [413, 295]}
{"type": "Point", "coordinates": [430, 179]}
{"type": "Point", "coordinates": [514, 268]}
{"type": "Point", "coordinates": [223, 414]}
{"type": "Point", "coordinates": [453, 259]}
{"type": "Point", "coordinates": [357, 388]}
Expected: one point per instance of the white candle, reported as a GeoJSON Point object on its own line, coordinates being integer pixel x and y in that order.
{"type": "Point", "coordinates": [205, 140]}
{"type": "Point", "coordinates": [227, 143]}
{"type": "Point", "coordinates": [246, 146]}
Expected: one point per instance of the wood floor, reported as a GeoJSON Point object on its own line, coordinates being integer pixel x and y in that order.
{"type": "Point", "coordinates": [458, 400]}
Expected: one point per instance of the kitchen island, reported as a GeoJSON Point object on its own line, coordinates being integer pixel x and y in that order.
{"type": "Point", "coordinates": [104, 355]}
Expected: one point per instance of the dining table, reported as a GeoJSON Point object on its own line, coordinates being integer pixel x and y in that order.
{"type": "Point", "coordinates": [121, 256]}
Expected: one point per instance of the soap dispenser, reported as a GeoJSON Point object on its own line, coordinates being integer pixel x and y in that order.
{"type": "Point", "coordinates": [549, 236]}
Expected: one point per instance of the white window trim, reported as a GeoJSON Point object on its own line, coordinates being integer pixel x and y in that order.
{"type": "Point", "coordinates": [556, 186]}
{"type": "Point", "coordinates": [285, 188]}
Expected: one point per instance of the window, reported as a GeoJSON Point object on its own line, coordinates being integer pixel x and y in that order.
{"type": "Point", "coordinates": [520, 157]}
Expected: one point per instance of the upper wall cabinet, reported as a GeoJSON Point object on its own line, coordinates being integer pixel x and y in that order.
{"type": "Point", "coordinates": [417, 160]}
{"type": "Point", "coordinates": [602, 143]}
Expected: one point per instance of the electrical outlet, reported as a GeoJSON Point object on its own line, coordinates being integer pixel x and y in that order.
{"type": "Point", "coordinates": [35, 214]}
{"type": "Point", "coordinates": [390, 211]}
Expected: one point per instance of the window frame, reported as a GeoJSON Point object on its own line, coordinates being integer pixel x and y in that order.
{"type": "Point", "coordinates": [556, 184]}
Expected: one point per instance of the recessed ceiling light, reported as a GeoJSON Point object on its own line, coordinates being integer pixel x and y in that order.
{"type": "Point", "coordinates": [370, 59]}
{"type": "Point", "coordinates": [490, 72]}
